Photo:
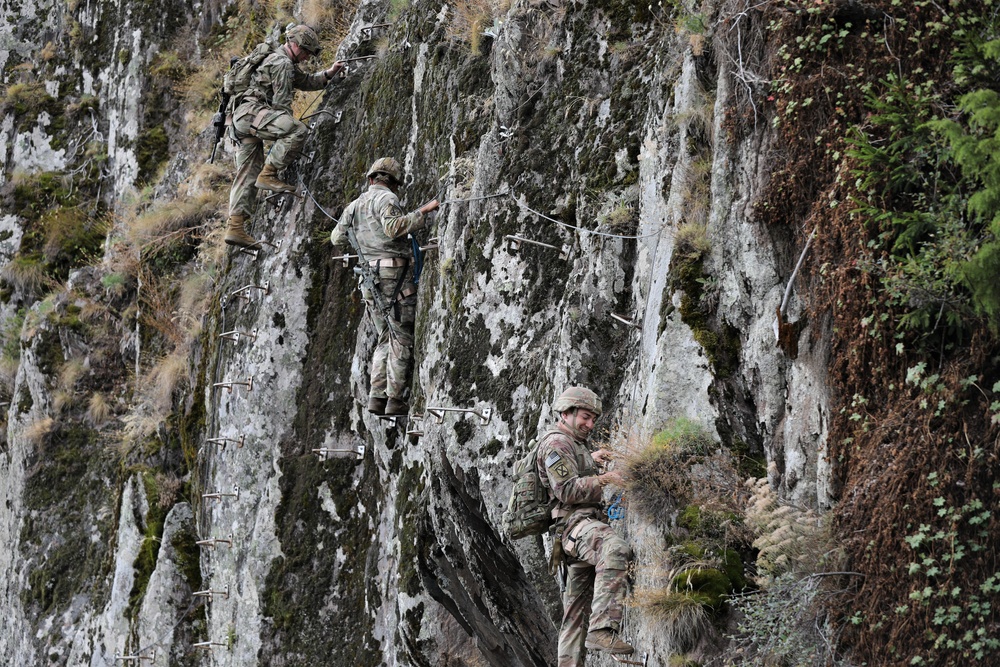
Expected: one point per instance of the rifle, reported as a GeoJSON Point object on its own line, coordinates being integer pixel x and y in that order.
{"type": "Point", "coordinates": [219, 123]}
{"type": "Point", "coordinates": [370, 280]}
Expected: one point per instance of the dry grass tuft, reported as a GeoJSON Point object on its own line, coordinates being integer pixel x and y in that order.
{"type": "Point", "coordinates": [165, 224]}
{"type": "Point", "coordinates": [98, 410]}
{"type": "Point", "coordinates": [27, 276]}
{"type": "Point", "coordinates": [38, 431]}
{"type": "Point", "coordinates": [684, 614]}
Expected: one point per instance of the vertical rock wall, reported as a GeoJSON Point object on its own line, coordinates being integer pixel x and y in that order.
{"type": "Point", "coordinates": [582, 115]}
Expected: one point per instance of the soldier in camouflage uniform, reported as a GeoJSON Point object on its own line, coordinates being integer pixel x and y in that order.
{"type": "Point", "coordinates": [264, 113]}
{"type": "Point", "coordinates": [596, 558]}
{"type": "Point", "coordinates": [381, 227]}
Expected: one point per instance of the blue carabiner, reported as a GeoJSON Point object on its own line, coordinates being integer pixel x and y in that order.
{"type": "Point", "coordinates": [616, 511]}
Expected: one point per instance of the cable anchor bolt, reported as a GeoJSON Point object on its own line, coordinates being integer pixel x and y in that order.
{"type": "Point", "coordinates": [236, 335]}
{"type": "Point", "coordinates": [210, 594]}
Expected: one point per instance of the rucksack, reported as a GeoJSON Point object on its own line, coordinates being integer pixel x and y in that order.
{"type": "Point", "coordinates": [237, 79]}
{"type": "Point", "coordinates": [529, 511]}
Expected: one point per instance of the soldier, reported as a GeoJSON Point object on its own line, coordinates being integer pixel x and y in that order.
{"type": "Point", "coordinates": [264, 112]}
{"type": "Point", "coordinates": [596, 558]}
{"type": "Point", "coordinates": [381, 228]}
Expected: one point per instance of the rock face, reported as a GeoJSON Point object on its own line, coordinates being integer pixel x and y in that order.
{"type": "Point", "coordinates": [607, 136]}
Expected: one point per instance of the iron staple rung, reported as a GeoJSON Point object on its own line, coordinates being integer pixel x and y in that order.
{"type": "Point", "coordinates": [484, 415]}
{"type": "Point", "coordinates": [219, 495]}
{"type": "Point", "coordinates": [210, 645]}
{"type": "Point", "coordinates": [358, 450]}
{"type": "Point", "coordinates": [222, 441]}
{"type": "Point", "coordinates": [630, 323]}
{"type": "Point", "coordinates": [215, 541]}
{"type": "Point", "coordinates": [520, 239]}
{"type": "Point", "coordinates": [235, 335]}
{"type": "Point", "coordinates": [415, 432]}
{"type": "Point", "coordinates": [210, 594]}
{"type": "Point", "coordinates": [136, 658]}
{"type": "Point", "coordinates": [626, 661]}
{"type": "Point", "coordinates": [234, 383]}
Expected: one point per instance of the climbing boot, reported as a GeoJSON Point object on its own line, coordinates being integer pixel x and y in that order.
{"type": "Point", "coordinates": [396, 407]}
{"type": "Point", "coordinates": [268, 179]}
{"type": "Point", "coordinates": [376, 406]}
{"type": "Point", "coordinates": [607, 640]}
{"type": "Point", "coordinates": [237, 235]}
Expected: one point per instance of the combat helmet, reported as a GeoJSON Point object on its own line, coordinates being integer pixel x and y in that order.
{"type": "Point", "coordinates": [305, 37]}
{"type": "Point", "coordinates": [388, 166]}
{"type": "Point", "coordinates": [577, 397]}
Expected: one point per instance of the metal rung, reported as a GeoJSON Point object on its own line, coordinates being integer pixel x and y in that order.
{"type": "Point", "coordinates": [210, 646]}
{"type": "Point", "coordinates": [417, 432]}
{"type": "Point", "coordinates": [636, 325]}
{"type": "Point", "coordinates": [215, 541]}
{"type": "Point", "coordinates": [235, 335]}
{"type": "Point", "coordinates": [240, 441]}
{"type": "Point", "coordinates": [136, 658]}
{"type": "Point", "coordinates": [366, 32]}
{"type": "Point", "coordinates": [229, 385]}
{"type": "Point", "coordinates": [357, 450]}
{"type": "Point", "coordinates": [484, 415]}
{"type": "Point", "coordinates": [429, 246]}
{"type": "Point", "coordinates": [625, 661]}
{"type": "Point", "coordinates": [345, 259]}
{"type": "Point", "coordinates": [516, 241]}
{"type": "Point", "coordinates": [255, 252]}
{"type": "Point", "coordinates": [219, 495]}
{"type": "Point", "coordinates": [244, 292]}
{"type": "Point", "coordinates": [210, 594]}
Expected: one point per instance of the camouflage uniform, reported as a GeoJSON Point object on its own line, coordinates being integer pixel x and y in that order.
{"type": "Point", "coordinates": [265, 114]}
{"type": "Point", "coordinates": [597, 557]}
{"type": "Point", "coordinates": [381, 228]}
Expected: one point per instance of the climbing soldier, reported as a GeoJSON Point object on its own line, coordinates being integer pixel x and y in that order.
{"type": "Point", "coordinates": [595, 558]}
{"type": "Point", "coordinates": [381, 229]}
{"type": "Point", "coordinates": [264, 113]}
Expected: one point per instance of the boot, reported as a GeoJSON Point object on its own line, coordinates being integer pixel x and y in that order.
{"type": "Point", "coordinates": [607, 640]}
{"type": "Point", "coordinates": [268, 179]}
{"type": "Point", "coordinates": [396, 407]}
{"type": "Point", "coordinates": [376, 406]}
{"type": "Point", "coordinates": [236, 234]}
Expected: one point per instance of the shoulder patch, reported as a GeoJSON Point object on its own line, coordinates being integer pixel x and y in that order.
{"type": "Point", "coordinates": [557, 467]}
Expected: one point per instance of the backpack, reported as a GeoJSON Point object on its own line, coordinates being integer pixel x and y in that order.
{"type": "Point", "coordinates": [529, 511]}
{"type": "Point", "coordinates": [237, 79]}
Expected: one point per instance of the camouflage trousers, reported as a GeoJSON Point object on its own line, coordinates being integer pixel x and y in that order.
{"type": "Point", "coordinates": [288, 134]}
{"type": "Point", "coordinates": [596, 586]}
{"type": "Point", "coordinates": [393, 357]}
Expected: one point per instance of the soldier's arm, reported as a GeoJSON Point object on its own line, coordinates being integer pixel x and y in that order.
{"type": "Point", "coordinates": [338, 236]}
{"type": "Point", "coordinates": [281, 85]}
{"type": "Point", "coordinates": [303, 81]}
{"type": "Point", "coordinates": [563, 473]}
{"type": "Point", "coordinates": [394, 222]}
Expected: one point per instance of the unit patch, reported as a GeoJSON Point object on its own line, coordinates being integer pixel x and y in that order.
{"type": "Point", "coordinates": [557, 467]}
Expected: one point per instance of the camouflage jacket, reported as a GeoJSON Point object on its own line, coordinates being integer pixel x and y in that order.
{"type": "Point", "coordinates": [274, 82]}
{"type": "Point", "coordinates": [568, 470]}
{"type": "Point", "coordinates": [380, 224]}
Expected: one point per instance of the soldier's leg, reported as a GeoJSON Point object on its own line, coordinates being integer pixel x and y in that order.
{"type": "Point", "coordinates": [576, 612]}
{"type": "Point", "coordinates": [288, 134]}
{"type": "Point", "coordinates": [400, 361]}
{"type": "Point", "coordinates": [377, 373]}
{"type": "Point", "coordinates": [599, 545]}
{"type": "Point", "coordinates": [249, 160]}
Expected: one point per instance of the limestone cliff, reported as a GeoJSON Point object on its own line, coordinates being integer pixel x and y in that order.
{"type": "Point", "coordinates": [166, 397]}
